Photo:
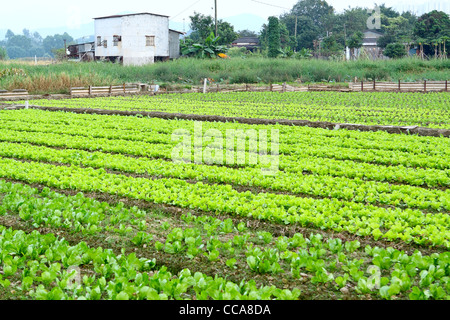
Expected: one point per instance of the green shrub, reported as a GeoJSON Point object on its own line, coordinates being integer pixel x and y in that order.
{"type": "Point", "coordinates": [395, 50]}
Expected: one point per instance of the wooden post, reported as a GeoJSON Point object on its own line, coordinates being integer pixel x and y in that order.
{"type": "Point", "coordinates": [284, 87]}
{"type": "Point", "coordinates": [446, 85]}
{"type": "Point", "coordinates": [110, 89]}
{"type": "Point", "coordinates": [90, 90]}
{"type": "Point", "coordinates": [374, 84]}
{"type": "Point", "coordinates": [398, 84]}
{"type": "Point", "coordinates": [362, 85]}
{"type": "Point", "coordinates": [124, 88]}
{"type": "Point", "coordinates": [247, 87]}
{"type": "Point", "coordinates": [425, 86]}
{"type": "Point", "coordinates": [271, 87]}
{"type": "Point", "coordinates": [71, 91]}
{"type": "Point", "coordinates": [218, 89]}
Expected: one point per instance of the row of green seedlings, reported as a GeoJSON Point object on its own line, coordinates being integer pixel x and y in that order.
{"type": "Point", "coordinates": [256, 106]}
{"type": "Point", "coordinates": [356, 190]}
{"type": "Point", "coordinates": [128, 128]}
{"type": "Point", "coordinates": [43, 267]}
{"type": "Point", "coordinates": [296, 254]}
{"type": "Point", "coordinates": [392, 273]}
{"type": "Point", "coordinates": [293, 140]}
{"type": "Point", "coordinates": [320, 166]}
{"type": "Point", "coordinates": [417, 177]}
{"type": "Point", "coordinates": [363, 220]}
{"type": "Point", "coordinates": [288, 168]}
{"type": "Point", "coordinates": [305, 145]}
{"type": "Point", "coordinates": [161, 131]}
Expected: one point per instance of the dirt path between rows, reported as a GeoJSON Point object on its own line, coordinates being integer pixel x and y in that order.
{"type": "Point", "coordinates": [421, 131]}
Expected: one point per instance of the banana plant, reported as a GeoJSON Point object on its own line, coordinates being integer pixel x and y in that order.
{"type": "Point", "coordinates": [209, 49]}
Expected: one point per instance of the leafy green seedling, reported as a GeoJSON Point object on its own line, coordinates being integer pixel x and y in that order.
{"type": "Point", "coordinates": [165, 225]}
{"type": "Point", "coordinates": [213, 255]}
{"type": "Point", "coordinates": [351, 246]}
{"type": "Point", "coordinates": [241, 227]}
{"type": "Point", "coordinates": [341, 281]}
{"type": "Point", "coordinates": [142, 238]}
{"type": "Point", "coordinates": [159, 245]}
{"type": "Point", "coordinates": [227, 226]}
{"type": "Point", "coordinates": [282, 243]}
{"type": "Point", "coordinates": [231, 263]}
{"type": "Point", "coordinates": [265, 236]}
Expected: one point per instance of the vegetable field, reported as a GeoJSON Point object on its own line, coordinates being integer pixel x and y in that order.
{"type": "Point", "coordinates": [382, 108]}
{"type": "Point", "coordinates": [95, 207]}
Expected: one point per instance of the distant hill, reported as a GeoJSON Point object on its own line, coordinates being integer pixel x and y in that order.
{"type": "Point", "coordinates": [82, 31]}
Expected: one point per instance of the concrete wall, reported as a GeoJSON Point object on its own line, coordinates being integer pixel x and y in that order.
{"type": "Point", "coordinates": [133, 29]}
{"type": "Point", "coordinates": [106, 29]}
{"type": "Point", "coordinates": [87, 47]}
{"type": "Point", "coordinates": [174, 45]}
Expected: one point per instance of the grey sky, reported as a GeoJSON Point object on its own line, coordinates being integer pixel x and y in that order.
{"type": "Point", "coordinates": [33, 14]}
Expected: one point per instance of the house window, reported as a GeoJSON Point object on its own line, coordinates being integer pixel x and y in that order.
{"type": "Point", "coordinates": [99, 41]}
{"type": "Point", "coordinates": [150, 41]}
{"type": "Point", "coordinates": [116, 40]}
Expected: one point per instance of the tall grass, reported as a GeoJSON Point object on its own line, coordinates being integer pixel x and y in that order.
{"type": "Point", "coordinates": [53, 83]}
{"type": "Point", "coordinates": [253, 70]}
{"type": "Point", "coordinates": [57, 78]}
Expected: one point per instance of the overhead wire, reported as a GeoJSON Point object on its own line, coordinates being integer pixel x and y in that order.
{"type": "Point", "coordinates": [173, 17]}
{"type": "Point", "coordinates": [272, 5]}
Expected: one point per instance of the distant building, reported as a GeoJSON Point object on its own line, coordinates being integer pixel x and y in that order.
{"type": "Point", "coordinates": [369, 45]}
{"type": "Point", "coordinates": [135, 39]}
{"type": "Point", "coordinates": [370, 39]}
{"type": "Point", "coordinates": [250, 43]}
{"type": "Point", "coordinates": [82, 51]}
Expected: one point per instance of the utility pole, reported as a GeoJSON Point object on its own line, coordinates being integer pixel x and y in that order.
{"type": "Point", "coordinates": [295, 34]}
{"type": "Point", "coordinates": [65, 49]}
{"type": "Point", "coordinates": [295, 31]}
{"type": "Point", "coordinates": [345, 42]}
{"type": "Point", "coordinates": [184, 32]}
{"type": "Point", "coordinates": [345, 36]}
{"type": "Point", "coordinates": [215, 15]}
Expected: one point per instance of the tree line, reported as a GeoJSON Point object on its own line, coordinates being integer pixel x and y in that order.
{"type": "Point", "coordinates": [314, 26]}
{"type": "Point", "coordinates": [310, 27]}
{"type": "Point", "coordinates": [30, 44]}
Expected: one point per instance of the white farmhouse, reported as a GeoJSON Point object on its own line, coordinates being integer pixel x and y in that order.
{"type": "Point", "coordinates": [136, 39]}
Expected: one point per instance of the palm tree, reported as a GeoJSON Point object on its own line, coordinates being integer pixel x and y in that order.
{"type": "Point", "coordinates": [444, 39]}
